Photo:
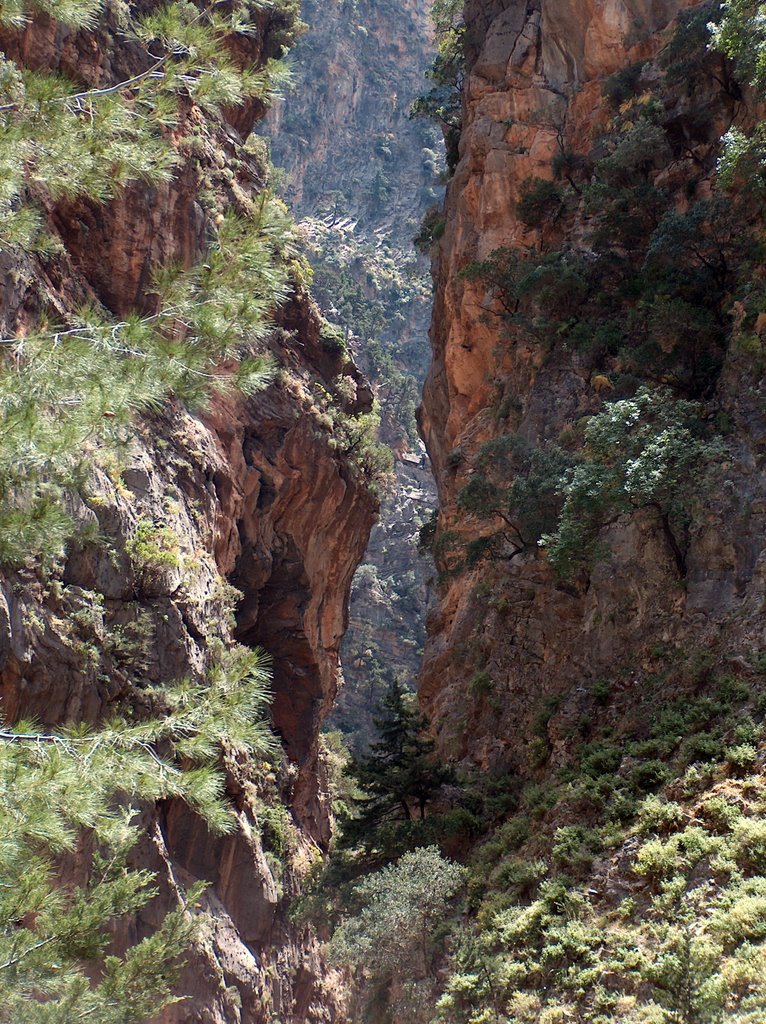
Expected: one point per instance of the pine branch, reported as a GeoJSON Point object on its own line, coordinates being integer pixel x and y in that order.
{"type": "Point", "coordinates": [106, 90]}
{"type": "Point", "coordinates": [31, 949]}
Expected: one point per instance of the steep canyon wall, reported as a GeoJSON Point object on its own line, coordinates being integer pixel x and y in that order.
{"type": "Point", "coordinates": [256, 520]}
{"type": "Point", "coordinates": [536, 104]}
{"type": "Point", "coordinates": [594, 415]}
{"type": "Point", "coordinates": [360, 173]}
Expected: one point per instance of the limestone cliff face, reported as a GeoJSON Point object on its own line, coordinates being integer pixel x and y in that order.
{"type": "Point", "coordinates": [362, 67]}
{"type": "Point", "coordinates": [266, 520]}
{"type": "Point", "coordinates": [535, 89]}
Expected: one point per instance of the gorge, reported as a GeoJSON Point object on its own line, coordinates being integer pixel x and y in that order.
{"type": "Point", "coordinates": [567, 823]}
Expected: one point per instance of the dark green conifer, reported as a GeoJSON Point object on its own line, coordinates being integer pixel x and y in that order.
{"type": "Point", "coordinates": [399, 776]}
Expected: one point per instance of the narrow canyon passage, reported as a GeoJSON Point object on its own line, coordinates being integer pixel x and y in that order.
{"type": "Point", "coordinates": [359, 172]}
{"type": "Point", "coordinates": [593, 677]}
{"type": "Point", "coordinates": [236, 240]}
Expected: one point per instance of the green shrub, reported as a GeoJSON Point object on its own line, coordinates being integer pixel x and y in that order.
{"type": "Point", "coordinates": [732, 690]}
{"type": "Point", "coordinates": [491, 906]}
{"type": "Point", "coordinates": [659, 815]}
{"type": "Point", "coordinates": [749, 843]}
{"type": "Point", "coordinates": [401, 905]}
{"type": "Point", "coordinates": [574, 847]}
{"type": "Point", "coordinates": [501, 797]}
{"type": "Point", "coordinates": [431, 229]}
{"type": "Point", "coordinates": [695, 778]}
{"type": "Point", "coordinates": [649, 775]}
{"type": "Point", "coordinates": [539, 202]}
{"type": "Point", "coordinates": [660, 460]}
{"type": "Point", "coordinates": [742, 918]}
{"type": "Point", "coordinates": [519, 874]}
{"type": "Point", "coordinates": [548, 709]}
{"type": "Point", "coordinates": [661, 859]}
{"type": "Point", "coordinates": [622, 85]}
{"type": "Point", "coordinates": [153, 550]}
{"type": "Point", "coordinates": [332, 337]}
{"type": "Point", "coordinates": [512, 834]}
{"type": "Point", "coordinates": [719, 813]}
{"type": "Point", "coordinates": [427, 532]}
{"type": "Point", "coordinates": [277, 830]}
{"type": "Point", "coordinates": [741, 758]}
{"type": "Point", "coordinates": [508, 838]}
{"type": "Point", "coordinates": [538, 751]}
{"type": "Point", "coordinates": [622, 808]}
{"type": "Point", "coordinates": [540, 797]}
{"type": "Point", "coordinates": [601, 690]}
{"type": "Point", "coordinates": [481, 684]}
{"type": "Point", "coordinates": [459, 823]}
{"type": "Point", "coordinates": [518, 482]}
{"type": "Point", "coordinates": [600, 758]}
{"type": "Point", "coordinates": [705, 746]}
{"type": "Point", "coordinates": [745, 729]}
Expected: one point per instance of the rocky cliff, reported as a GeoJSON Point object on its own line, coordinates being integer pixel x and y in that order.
{"type": "Point", "coordinates": [537, 109]}
{"type": "Point", "coordinates": [241, 523]}
{"type": "Point", "coordinates": [594, 416]}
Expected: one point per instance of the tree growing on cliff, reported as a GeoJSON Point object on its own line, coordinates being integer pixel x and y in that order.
{"type": "Point", "coordinates": [60, 140]}
{"type": "Point", "coordinates": [442, 103]}
{"type": "Point", "coordinates": [739, 35]}
{"type": "Point", "coordinates": [68, 808]}
{"type": "Point", "coordinates": [74, 381]}
{"type": "Point", "coordinates": [649, 452]}
{"type": "Point", "coordinates": [518, 484]}
{"type": "Point", "coordinates": [71, 390]}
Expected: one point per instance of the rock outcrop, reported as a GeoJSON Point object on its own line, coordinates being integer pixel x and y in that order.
{"type": "Point", "coordinates": [360, 174]}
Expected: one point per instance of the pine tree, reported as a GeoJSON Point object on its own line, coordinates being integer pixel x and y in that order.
{"type": "Point", "coordinates": [71, 795]}
{"type": "Point", "coordinates": [60, 141]}
{"type": "Point", "coordinates": [399, 776]}
{"type": "Point", "coordinates": [69, 393]}
{"type": "Point", "coordinates": [70, 390]}
{"type": "Point", "coordinates": [74, 385]}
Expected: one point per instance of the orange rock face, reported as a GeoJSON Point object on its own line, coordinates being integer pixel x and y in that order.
{"type": "Point", "coordinates": [534, 89]}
